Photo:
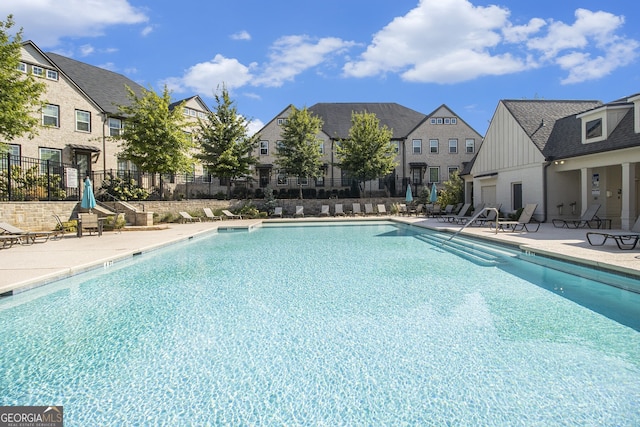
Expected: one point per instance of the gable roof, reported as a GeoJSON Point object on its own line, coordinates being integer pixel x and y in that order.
{"type": "Point", "coordinates": [538, 117]}
{"type": "Point", "coordinates": [104, 87]}
{"type": "Point", "coordinates": [566, 138]}
{"type": "Point", "coordinates": [337, 117]}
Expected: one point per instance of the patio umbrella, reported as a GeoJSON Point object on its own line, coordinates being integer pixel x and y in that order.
{"type": "Point", "coordinates": [88, 199]}
{"type": "Point", "coordinates": [433, 197]}
{"type": "Point", "coordinates": [409, 196]}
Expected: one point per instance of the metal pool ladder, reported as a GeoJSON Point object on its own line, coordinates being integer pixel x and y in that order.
{"type": "Point", "coordinates": [473, 218]}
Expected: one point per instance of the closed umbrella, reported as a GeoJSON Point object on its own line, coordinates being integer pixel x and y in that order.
{"type": "Point", "coordinates": [88, 199]}
{"type": "Point", "coordinates": [409, 196]}
{"type": "Point", "coordinates": [433, 197]}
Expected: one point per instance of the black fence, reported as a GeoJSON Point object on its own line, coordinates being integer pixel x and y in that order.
{"type": "Point", "coordinates": [26, 179]}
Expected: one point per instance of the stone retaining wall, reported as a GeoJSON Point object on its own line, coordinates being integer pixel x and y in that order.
{"type": "Point", "coordinates": [37, 216]}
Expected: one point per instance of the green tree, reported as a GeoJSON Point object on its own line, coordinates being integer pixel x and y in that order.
{"type": "Point", "coordinates": [226, 147]}
{"type": "Point", "coordinates": [19, 93]}
{"type": "Point", "coordinates": [452, 191]}
{"type": "Point", "coordinates": [154, 136]}
{"type": "Point", "coordinates": [367, 153]}
{"type": "Point", "coordinates": [298, 154]}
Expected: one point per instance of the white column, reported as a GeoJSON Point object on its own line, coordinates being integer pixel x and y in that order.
{"type": "Point", "coordinates": [585, 190]}
{"type": "Point", "coordinates": [627, 216]}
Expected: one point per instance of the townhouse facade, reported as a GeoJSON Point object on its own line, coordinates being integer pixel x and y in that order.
{"type": "Point", "coordinates": [564, 156]}
{"type": "Point", "coordinates": [429, 148]}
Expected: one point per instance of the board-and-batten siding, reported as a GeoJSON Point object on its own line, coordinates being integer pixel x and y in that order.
{"type": "Point", "coordinates": [505, 146]}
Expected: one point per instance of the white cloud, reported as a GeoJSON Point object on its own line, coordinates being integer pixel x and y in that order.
{"type": "Point", "coordinates": [419, 43]}
{"type": "Point", "coordinates": [205, 77]}
{"type": "Point", "coordinates": [254, 126]}
{"type": "Point", "coordinates": [146, 31]}
{"type": "Point", "coordinates": [46, 21]}
{"type": "Point", "coordinates": [292, 55]}
{"type": "Point", "coordinates": [86, 50]}
{"type": "Point", "coordinates": [448, 41]}
{"type": "Point", "coordinates": [241, 35]}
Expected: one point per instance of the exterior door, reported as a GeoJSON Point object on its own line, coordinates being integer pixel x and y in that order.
{"type": "Point", "coordinates": [83, 160]}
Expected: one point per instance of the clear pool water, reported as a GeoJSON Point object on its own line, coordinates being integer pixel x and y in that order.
{"type": "Point", "coordinates": [341, 325]}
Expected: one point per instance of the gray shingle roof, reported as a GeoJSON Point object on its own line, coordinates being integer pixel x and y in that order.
{"type": "Point", "coordinates": [104, 87]}
{"type": "Point", "coordinates": [532, 114]}
{"type": "Point", "coordinates": [566, 139]}
{"type": "Point", "coordinates": [337, 117]}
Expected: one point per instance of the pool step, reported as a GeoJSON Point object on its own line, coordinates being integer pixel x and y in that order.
{"type": "Point", "coordinates": [480, 254]}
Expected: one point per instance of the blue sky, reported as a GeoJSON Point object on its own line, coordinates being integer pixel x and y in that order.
{"type": "Point", "coordinates": [467, 54]}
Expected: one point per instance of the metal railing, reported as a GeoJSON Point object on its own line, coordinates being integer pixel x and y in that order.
{"type": "Point", "coordinates": [27, 179]}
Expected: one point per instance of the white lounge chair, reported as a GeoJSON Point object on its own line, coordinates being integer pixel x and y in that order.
{"type": "Point", "coordinates": [324, 210]}
{"type": "Point", "coordinates": [626, 240]}
{"type": "Point", "coordinates": [23, 236]}
{"type": "Point", "coordinates": [299, 212]}
{"type": "Point", "coordinates": [186, 217]}
{"type": "Point", "coordinates": [339, 211]}
{"type": "Point", "coordinates": [230, 215]}
{"type": "Point", "coordinates": [382, 209]}
{"type": "Point", "coordinates": [585, 220]}
{"type": "Point", "coordinates": [454, 218]}
{"type": "Point", "coordinates": [356, 210]}
{"type": "Point", "coordinates": [208, 213]}
{"type": "Point", "coordinates": [368, 209]}
{"type": "Point", "coordinates": [277, 212]}
{"type": "Point", "coordinates": [523, 222]}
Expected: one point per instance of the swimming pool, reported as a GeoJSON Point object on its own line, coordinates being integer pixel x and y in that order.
{"type": "Point", "coordinates": [338, 325]}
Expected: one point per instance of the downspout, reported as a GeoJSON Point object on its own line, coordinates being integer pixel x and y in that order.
{"type": "Point", "coordinates": [544, 189]}
{"type": "Point", "coordinates": [104, 143]}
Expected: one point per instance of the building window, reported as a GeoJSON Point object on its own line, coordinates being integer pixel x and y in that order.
{"type": "Point", "coordinates": [454, 120]}
{"type": "Point", "coordinates": [434, 121]}
{"type": "Point", "coordinates": [282, 121]}
{"type": "Point", "coordinates": [447, 120]}
{"type": "Point", "coordinates": [279, 145]}
{"type": "Point", "coordinates": [516, 196]}
{"type": "Point", "coordinates": [52, 75]}
{"type": "Point", "coordinates": [281, 178]}
{"type": "Point", "coordinates": [52, 156]}
{"type": "Point", "coordinates": [439, 120]}
{"type": "Point", "coordinates": [453, 146]}
{"type": "Point", "coordinates": [264, 148]}
{"type": "Point", "coordinates": [321, 147]}
{"type": "Point", "coordinates": [303, 181]}
{"type": "Point", "coordinates": [83, 121]}
{"type": "Point", "coordinates": [417, 146]}
{"type": "Point", "coordinates": [396, 146]}
{"type": "Point", "coordinates": [594, 129]}
{"type": "Point", "coordinates": [452, 170]}
{"type": "Point", "coordinates": [22, 67]}
{"type": "Point", "coordinates": [433, 146]}
{"type": "Point", "coordinates": [115, 126]}
{"type": "Point", "coordinates": [50, 115]}
{"type": "Point", "coordinates": [37, 71]}
{"type": "Point", "coordinates": [470, 145]}
{"type": "Point", "coordinates": [434, 174]}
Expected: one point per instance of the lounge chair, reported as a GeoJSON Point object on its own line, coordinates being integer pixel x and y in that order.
{"type": "Point", "coordinates": [62, 227]}
{"type": "Point", "coordinates": [402, 209]}
{"type": "Point", "coordinates": [455, 217]}
{"type": "Point", "coordinates": [463, 219]}
{"type": "Point", "coordinates": [277, 212]}
{"type": "Point", "coordinates": [230, 215]}
{"type": "Point", "coordinates": [24, 237]}
{"type": "Point", "coordinates": [524, 222]}
{"type": "Point", "coordinates": [324, 210]}
{"type": "Point", "coordinates": [626, 240]}
{"type": "Point", "coordinates": [488, 216]}
{"type": "Point", "coordinates": [89, 222]}
{"type": "Point", "coordinates": [299, 212]}
{"type": "Point", "coordinates": [186, 217]}
{"type": "Point", "coordinates": [382, 209]}
{"type": "Point", "coordinates": [368, 209]}
{"type": "Point", "coordinates": [339, 211]}
{"type": "Point", "coordinates": [8, 240]}
{"type": "Point", "coordinates": [208, 213]}
{"type": "Point", "coordinates": [585, 220]}
{"type": "Point", "coordinates": [418, 210]}
{"type": "Point", "coordinates": [356, 210]}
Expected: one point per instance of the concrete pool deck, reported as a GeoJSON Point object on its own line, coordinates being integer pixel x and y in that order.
{"type": "Point", "coordinates": [26, 266]}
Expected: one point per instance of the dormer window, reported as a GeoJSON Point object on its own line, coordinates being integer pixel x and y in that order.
{"type": "Point", "coordinates": [593, 129]}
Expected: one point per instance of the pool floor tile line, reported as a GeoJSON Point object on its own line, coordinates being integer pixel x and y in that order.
{"type": "Point", "coordinates": [28, 266]}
